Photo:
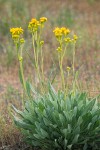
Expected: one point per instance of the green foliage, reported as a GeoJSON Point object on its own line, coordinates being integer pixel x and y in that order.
{"type": "Point", "coordinates": [58, 122]}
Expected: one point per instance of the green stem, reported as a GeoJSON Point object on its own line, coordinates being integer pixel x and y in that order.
{"type": "Point", "coordinates": [33, 42]}
{"type": "Point", "coordinates": [42, 65]}
{"type": "Point", "coordinates": [21, 65]}
{"type": "Point", "coordinates": [22, 74]}
{"type": "Point", "coordinates": [36, 56]}
{"type": "Point", "coordinates": [62, 72]}
{"type": "Point", "coordinates": [73, 65]}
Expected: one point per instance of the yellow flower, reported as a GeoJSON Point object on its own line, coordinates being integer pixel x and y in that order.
{"type": "Point", "coordinates": [67, 40]}
{"type": "Point", "coordinates": [75, 37]}
{"type": "Point", "coordinates": [43, 19]}
{"type": "Point", "coordinates": [68, 68]}
{"type": "Point", "coordinates": [58, 32]}
{"type": "Point", "coordinates": [16, 31]}
{"type": "Point", "coordinates": [33, 25]}
{"type": "Point", "coordinates": [65, 31]}
{"type": "Point", "coordinates": [33, 20]}
{"type": "Point", "coordinates": [41, 43]}
{"type": "Point", "coordinates": [56, 29]}
{"type": "Point", "coordinates": [59, 49]}
{"type": "Point", "coordinates": [15, 37]}
{"type": "Point", "coordinates": [20, 58]}
{"type": "Point", "coordinates": [22, 40]}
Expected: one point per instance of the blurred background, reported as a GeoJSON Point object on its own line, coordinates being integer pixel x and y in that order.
{"type": "Point", "coordinates": [80, 16]}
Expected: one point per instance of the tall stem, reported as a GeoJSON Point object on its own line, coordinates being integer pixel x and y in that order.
{"type": "Point", "coordinates": [22, 73]}
{"type": "Point", "coordinates": [42, 65]}
{"type": "Point", "coordinates": [73, 65]}
{"type": "Point", "coordinates": [61, 70]}
{"type": "Point", "coordinates": [36, 56]}
{"type": "Point", "coordinates": [21, 65]}
{"type": "Point", "coordinates": [33, 42]}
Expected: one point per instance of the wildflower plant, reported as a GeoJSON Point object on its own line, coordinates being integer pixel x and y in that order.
{"type": "Point", "coordinates": [63, 38]}
{"type": "Point", "coordinates": [35, 27]}
{"type": "Point", "coordinates": [19, 41]}
{"type": "Point", "coordinates": [59, 120]}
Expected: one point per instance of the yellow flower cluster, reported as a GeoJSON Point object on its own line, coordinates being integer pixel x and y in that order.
{"type": "Point", "coordinates": [16, 33]}
{"type": "Point", "coordinates": [68, 40]}
{"type": "Point", "coordinates": [22, 40]}
{"type": "Point", "coordinates": [43, 19]}
{"type": "Point", "coordinates": [62, 37]}
{"type": "Point", "coordinates": [75, 37]}
{"type": "Point", "coordinates": [59, 49]}
{"type": "Point", "coordinates": [34, 24]}
{"type": "Point", "coordinates": [59, 32]}
{"type": "Point", "coordinates": [65, 31]}
{"type": "Point", "coordinates": [68, 68]}
{"type": "Point", "coordinates": [41, 43]}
